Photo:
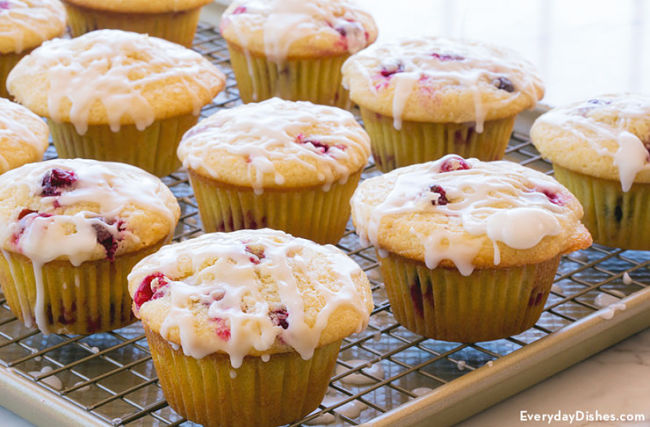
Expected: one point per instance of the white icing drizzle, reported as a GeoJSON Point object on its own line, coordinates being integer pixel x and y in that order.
{"type": "Point", "coordinates": [231, 296]}
{"type": "Point", "coordinates": [421, 391]}
{"type": "Point", "coordinates": [605, 119]}
{"type": "Point", "coordinates": [111, 67]}
{"type": "Point", "coordinates": [19, 17]}
{"type": "Point", "coordinates": [373, 370]}
{"type": "Point", "coordinates": [53, 381]}
{"type": "Point", "coordinates": [627, 280]}
{"type": "Point", "coordinates": [112, 186]}
{"type": "Point", "coordinates": [283, 22]}
{"type": "Point", "coordinates": [269, 132]}
{"type": "Point", "coordinates": [417, 65]}
{"type": "Point", "coordinates": [484, 200]}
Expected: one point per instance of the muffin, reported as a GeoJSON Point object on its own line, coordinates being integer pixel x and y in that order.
{"type": "Point", "coordinates": [599, 149]}
{"type": "Point", "coordinates": [245, 327]}
{"type": "Point", "coordinates": [172, 20]}
{"type": "Point", "coordinates": [423, 98]}
{"type": "Point", "coordinates": [70, 232]}
{"type": "Point", "coordinates": [293, 49]}
{"type": "Point", "coordinates": [25, 24]}
{"type": "Point", "coordinates": [468, 249]}
{"type": "Point", "coordinates": [117, 96]}
{"type": "Point", "coordinates": [23, 136]}
{"type": "Point", "coordinates": [287, 165]}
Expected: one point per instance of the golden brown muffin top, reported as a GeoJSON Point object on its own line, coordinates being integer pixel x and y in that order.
{"type": "Point", "coordinates": [277, 144]}
{"type": "Point", "coordinates": [23, 136]}
{"type": "Point", "coordinates": [293, 29]}
{"type": "Point", "coordinates": [113, 77]}
{"type": "Point", "coordinates": [432, 79]}
{"type": "Point", "coordinates": [250, 292]}
{"type": "Point", "coordinates": [467, 214]}
{"type": "Point", "coordinates": [25, 24]}
{"type": "Point", "coordinates": [607, 136]}
{"type": "Point", "coordinates": [82, 210]}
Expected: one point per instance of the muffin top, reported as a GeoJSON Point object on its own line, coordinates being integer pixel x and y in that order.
{"type": "Point", "coordinates": [141, 6]}
{"type": "Point", "coordinates": [82, 210]}
{"type": "Point", "coordinates": [277, 144]}
{"type": "Point", "coordinates": [607, 137]}
{"type": "Point", "coordinates": [468, 214]}
{"type": "Point", "coordinates": [294, 29]}
{"type": "Point", "coordinates": [113, 77]}
{"type": "Point", "coordinates": [250, 292]}
{"type": "Point", "coordinates": [433, 79]}
{"type": "Point", "coordinates": [23, 136]}
{"type": "Point", "coordinates": [25, 24]}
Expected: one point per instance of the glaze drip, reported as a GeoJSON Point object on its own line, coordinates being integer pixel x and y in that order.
{"type": "Point", "coordinates": [324, 141]}
{"type": "Point", "coordinates": [21, 19]}
{"type": "Point", "coordinates": [478, 197]}
{"type": "Point", "coordinates": [218, 300]}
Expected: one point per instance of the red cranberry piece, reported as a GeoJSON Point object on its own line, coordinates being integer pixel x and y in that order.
{"type": "Point", "coordinates": [554, 198]}
{"type": "Point", "coordinates": [279, 317]}
{"type": "Point", "coordinates": [447, 57]}
{"type": "Point", "coordinates": [454, 164]}
{"type": "Point", "coordinates": [442, 195]}
{"type": "Point", "coordinates": [24, 213]}
{"type": "Point", "coordinates": [222, 329]}
{"type": "Point", "coordinates": [149, 288]}
{"type": "Point", "coordinates": [257, 254]}
{"type": "Point", "coordinates": [239, 10]}
{"type": "Point", "coordinates": [388, 70]}
{"type": "Point", "coordinates": [55, 180]}
{"type": "Point", "coordinates": [597, 101]}
{"type": "Point", "coordinates": [322, 148]}
{"type": "Point", "coordinates": [4, 4]}
{"type": "Point", "coordinates": [504, 83]}
{"type": "Point", "coordinates": [106, 238]}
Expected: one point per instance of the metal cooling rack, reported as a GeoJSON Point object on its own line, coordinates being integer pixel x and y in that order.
{"type": "Point", "coordinates": [111, 375]}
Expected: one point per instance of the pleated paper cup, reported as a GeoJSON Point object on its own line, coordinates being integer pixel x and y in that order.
{"type": "Point", "coordinates": [315, 79]}
{"type": "Point", "coordinates": [92, 297]}
{"type": "Point", "coordinates": [210, 392]}
{"type": "Point", "coordinates": [178, 27]}
{"type": "Point", "coordinates": [420, 142]}
{"type": "Point", "coordinates": [7, 62]}
{"type": "Point", "coordinates": [311, 212]}
{"type": "Point", "coordinates": [614, 218]}
{"type": "Point", "coordinates": [489, 304]}
{"type": "Point", "coordinates": [152, 149]}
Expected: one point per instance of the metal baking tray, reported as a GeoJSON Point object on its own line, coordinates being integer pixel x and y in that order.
{"type": "Point", "coordinates": [109, 379]}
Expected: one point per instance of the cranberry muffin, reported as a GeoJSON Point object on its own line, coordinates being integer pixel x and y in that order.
{"type": "Point", "coordinates": [468, 249]}
{"type": "Point", "coordinates": [117, 96]}
{"type": "Point", "coordinates": [599, 149]}
{"type": "Point", "coordinates": [241, 323]}
{"type": "Point", "coordinates": [70, 231]}
{"type": "Point", "coordinates": [294, 49]}
{"type": "Point", "coordinates": [422, 98]}
{"type": "Point", "coordinates": [291, 166]}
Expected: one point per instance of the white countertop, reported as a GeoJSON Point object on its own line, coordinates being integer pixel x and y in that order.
{"type": "Point", "coordinates": [582, 48]}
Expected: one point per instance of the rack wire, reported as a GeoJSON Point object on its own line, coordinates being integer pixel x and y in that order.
{"type": "Point", "coordinates": [111, 375]}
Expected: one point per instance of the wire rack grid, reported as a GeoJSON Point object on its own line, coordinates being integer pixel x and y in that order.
{"type": "Point", "coordinates": [111, 375]}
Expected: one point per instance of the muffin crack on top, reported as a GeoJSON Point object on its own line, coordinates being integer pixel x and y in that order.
{"type": "Point", "coordinates": [250, 293]}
